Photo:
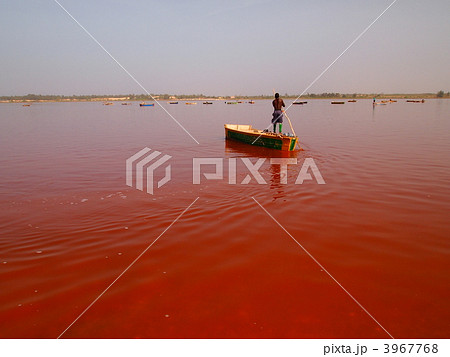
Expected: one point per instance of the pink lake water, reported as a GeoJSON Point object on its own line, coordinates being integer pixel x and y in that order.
{"type": "Point", "coordinates": [69, 224]}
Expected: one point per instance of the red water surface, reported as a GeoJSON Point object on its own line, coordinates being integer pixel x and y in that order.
{"type": "Point", "coordinates": [69, 225]}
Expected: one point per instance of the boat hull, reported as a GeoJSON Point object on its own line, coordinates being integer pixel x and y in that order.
{"type": "Point", "coordinates": [248, 135]}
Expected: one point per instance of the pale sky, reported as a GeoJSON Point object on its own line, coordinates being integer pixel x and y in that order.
{"type": "Point", "coordinates": [242, 47]}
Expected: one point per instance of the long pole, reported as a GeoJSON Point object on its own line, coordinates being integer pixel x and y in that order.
{"type": "Point", "coordinates": [290, 124]}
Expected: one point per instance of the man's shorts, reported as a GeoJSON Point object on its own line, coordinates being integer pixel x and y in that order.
{"type": "Point", "coordinates": [277, 117]}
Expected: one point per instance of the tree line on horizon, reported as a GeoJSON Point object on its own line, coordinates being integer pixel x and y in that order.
{"type": "Point", "coordinates": [94, 97]}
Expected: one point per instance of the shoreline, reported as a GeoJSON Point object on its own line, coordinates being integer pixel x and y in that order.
{"type": "Point", "coordinates": [234, 98]}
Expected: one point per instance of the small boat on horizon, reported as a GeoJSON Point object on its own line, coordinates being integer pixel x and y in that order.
{"type": "Point", "coordinates": [108, 103]}
{"type": "Point", "coordinates": [191, 103]}
{"type": "Point", "coordinates": [126, 103]}
{"type": "Point", "coordinates": [146, 105]}
{"type": "Point", "coordinates": [352, 101]}
{"type": "Point", "coordinates": [251, 102]}
{"type": "Point", "coordinates": [248, 135]}
{"type": "Point", "coordinates": [415, 101]}
{"type": "Point", "coordinates": [207, 102]}
{"type": "Point", "coordinates": [173, 102]}
{"type": "Point", "coordinates": [337, 102]}
{"type": "Point", "coordinates": [299, 103]}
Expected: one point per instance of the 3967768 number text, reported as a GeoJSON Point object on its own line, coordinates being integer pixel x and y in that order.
{"type": "Point", "coordinates": [410, 348]}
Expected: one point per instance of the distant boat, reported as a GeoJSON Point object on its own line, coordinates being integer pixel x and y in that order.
{"type": "Point", "coordinates": [248, 135]}
{"type": "Point", "coordinates": [337, 102]}
{"type": "Point", "coordinates": [146, 105]}
{"type": "Point", "coordinates": [231, 102]}
{"type": "Point", "coordinates": [379, 103]}
{"type": "Point", "coordinates": [108, 103]}
{"type": "Point", "coordinates": [191, 103]}
{"type": "Point", "coordinates": [126, 103]}
{"type": "Point", "coordinates": [251, 102]}
{"type": "Point", "coordinates": [207, 103]}
{"type": "Point", "coordinates": [26, 105]}
{"type": "Point", "coordinates": [352, 101]}
{"type": "Point", "coordinates": [173, 102]}
{"type": "Point", "coordinates": [240, 102]}
{"type": "Point", "coordinates": [392, 101]}
{"type": "Point", "coordinates": [416, 101]}
{"type": "Point", "coordinates": [299, 103]}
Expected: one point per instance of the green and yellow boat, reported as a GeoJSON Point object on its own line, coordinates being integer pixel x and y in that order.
{"type": "Point", "coordinates": [248, 135]}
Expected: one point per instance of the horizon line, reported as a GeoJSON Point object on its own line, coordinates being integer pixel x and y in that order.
{"type": "Point", "coordinates": [201, 95]}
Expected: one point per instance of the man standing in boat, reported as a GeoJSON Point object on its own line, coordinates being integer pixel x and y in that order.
{"type": "Point", "coordinates": [277, 116]}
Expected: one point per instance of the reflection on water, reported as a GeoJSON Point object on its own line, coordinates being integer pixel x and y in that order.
{"type": "Point", "coordinates": [275, 182]}
{"type": "Point", "coordinates": [238, 149]}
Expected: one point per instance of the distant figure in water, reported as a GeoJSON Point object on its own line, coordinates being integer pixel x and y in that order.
{"type": "Point", "coordinates": [277, 116]}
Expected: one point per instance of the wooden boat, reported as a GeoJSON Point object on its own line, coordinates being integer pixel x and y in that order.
{"type": "Point", "coordinates": [352, 101]}
{"type": "Point", "coordinates": [108, 103]}
{"type": "Point", "coordinates": [207, 103]}
{"type": "Point", "coordinates": [251, 102]}
{"type": "Point", "coordinates": [146, 105]}
{"type": "Point", "coordinates": [248, 135]}
{"type": "Point", "coordinates": [173, 102]}
{"type": "Point", "coordinates": [26, 105]}
{"type": "Point", "coordinates": [299, 103]}
{"type": "Point", "coordinates": [231, 102]}
{"type": "Point", "coordinates": [337, 102]}
{"type": "Point", "coordinates": [415, 101]}
{"type": "Point", "coordinates": [379, 103]}
{"type": "Point", "coordinates": [191, 103]}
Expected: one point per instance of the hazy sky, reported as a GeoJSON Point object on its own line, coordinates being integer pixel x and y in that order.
{"type": "Point", "coordinates": [223, 47]}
